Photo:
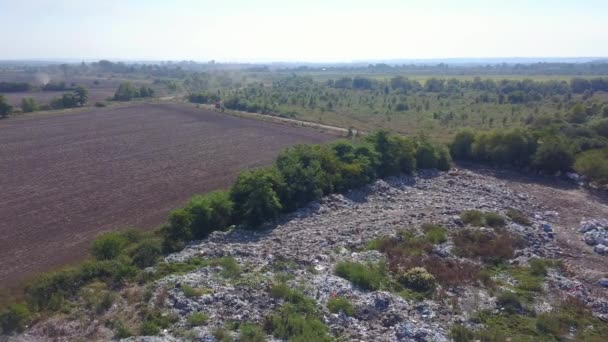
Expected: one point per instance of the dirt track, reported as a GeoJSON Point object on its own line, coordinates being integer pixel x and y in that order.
{"type": "Point", "coordinates": [67, 177]}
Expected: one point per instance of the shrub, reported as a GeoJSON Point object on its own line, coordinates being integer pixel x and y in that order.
{"type": "Point", "coordinates": [149, 328]}
{"type": "Point", "coordinates": [190, 291]}
{"type": "Point", "coordinates": [197, 319]}
{"type": "Point", "coordinates": [494, 220]}
{"type": "Point", "coordinates": [553, 155]}
{"type": "Point", "coordinates": [251, 333]}
{"type": "Point", "coordinates": [462, 145]}
{"type": "Point", "coordinates": [518, 217]}
{"type": "Point", "coordinates": [288, 323]}
{"type": "Point", "coordinates": [29, 105]}
{"type": "Point", "coordinates": [510, 302]}
{"type": "Point", "coordinates": [308, 173]}
{"type": "Point", "coordinates": [489, 246]}
{"type": "Point", "coordinates": [147, 252]}
{"type": "Point", "coordinates": [432, 156]}
{"type": "Point", "coordinates": [460, 333]}
{"type": "Point", "coordinates": [337, 304]}
{"type": "Point", "coordinates": [298, 319]}
{"type": "Point", "coordinates": [366, 276]}
{"type": "Point", "coordinates": [396, 154]}
{"type": "Point", "coordinates": [417, 279]}
{"type": "Point", "coordinates": [473, 217]}
{"type": "Point", "coordinates": [108, 245]}
{"type": "Point", "coordinates": [594, 165]}
{"type": "Point", "coordinates": [121, 330]}
{"type": "Point", "coordinates": [99, 104]}
{"type": "Point", "coordinates": [515, 147]}
{"type": "Point", "coordinates": [211, 212]}
{"type": "Point", "coordinates": [434, 234]}
{"type": "Point", "coordinates": [358, 164]}
{"type": "Point", "coordinates": [14, 318]}
{"type": "Point", "coordinates": [177, 231]}
{"type": "Point", "coordinates": [230, 267]}
{"type": "Point", "coordinates": [255, 196]}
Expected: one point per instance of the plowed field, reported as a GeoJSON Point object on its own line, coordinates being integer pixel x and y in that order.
{"type": "Point", "coordinates": [65, 178]}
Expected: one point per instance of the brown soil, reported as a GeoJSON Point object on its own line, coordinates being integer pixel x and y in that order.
{"type": "Point", "coordinates": [574, 204]}
{"type": "Point", "coordinates": [65, 178]}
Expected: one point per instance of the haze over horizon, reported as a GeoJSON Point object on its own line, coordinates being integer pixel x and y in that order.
{"type": "Point", "coordinates": [316, 31]}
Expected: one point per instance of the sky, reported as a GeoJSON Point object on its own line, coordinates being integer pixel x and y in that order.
{"type": "Point", "coordinates": [304, 31]}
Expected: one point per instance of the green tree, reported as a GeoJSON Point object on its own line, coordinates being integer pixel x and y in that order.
{"type": "Point", "coordinates": [211, 212]}
{"type": "Point", "coordinates": [28, 105]}
{"type": "Point", "coordinates": [255, 196]}
{"type": "Point", "coordinates": [577, 114]}
{"type": "Point", "coordinates": [82, 95]}
{"type": "Point", "coordinates": [126, 92]}
{"type": "Point", "coordinates": [108, 245]}
{"type": "Point", "coordinates": [462, 145]}
{"type": "Point", "coordinates": [5, 108]}
{"type": "Point", "coordinates": [553, 154]}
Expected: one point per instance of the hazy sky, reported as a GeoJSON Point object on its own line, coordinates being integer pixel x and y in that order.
{"type": "Point", "coordinates": [310, 30]}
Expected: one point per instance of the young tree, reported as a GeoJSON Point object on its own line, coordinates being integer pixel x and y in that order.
{"type": "Point", "coordinates": [5, 108]}
{"type": "Point", "coordinates": [28, 105]}
{"type": "Point", "coordinates": [82, 94]}
{"type": "Point", "coordinates": [255, 196]}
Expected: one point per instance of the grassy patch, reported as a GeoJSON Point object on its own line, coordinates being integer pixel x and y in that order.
{"type": "Point", "coordinates": [490, 247]}
{"type": "Point", "coordinates": [435, 234]}
{"type": "Point", "coordinates": [251, 333]}
{"type": "Point", "coordinates": [571, 315]}
{"type": "Point", "coordinates": [190, 291]}
{"type": "Point", "coordinates": [197, 319]}
{"type": "Point", "coordinates": [518, 217]}
{"type": "Point", "coordinates": [367, 276]}
{"type": "Point", "coordinates": [298, 319]}
{"type": "Point", "coordinates": [480, 219]}
{"type": "Point", "coordinates": [337, 304]}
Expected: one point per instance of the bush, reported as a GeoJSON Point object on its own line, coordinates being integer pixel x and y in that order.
{"type": "Point", "coordinates": [396, 154]}
{"type": "Point", "coordinates": [209, 213]}
{"type": "Point", "coordinates": [337, 304]}
{"type": "Point", "coordinates": [5, 108]}
{"type": "Point", "coordinates": [434, 234]}
{"type": "Point", "coordinates": [255, 196]}
{"type": "Point", "coordinates": [518, 217]}
{"type": "Point", "coordinates": [473, 217]}
{"type": "Point", "coordinates": [494, 220]}
{"type": "Point", "coordinates": [368, 277]}
{"type": "Point", "coordinates": [489, 246]}
{"type": "Point", "coordinates": [462, 145]}
{"type": "Point", "coordinates": [593, 165]}
{"type": "Point", "coordinates": [417, 279]}
{"type": "Point", "coordinates": [460, 333]}
{"type": "Point", "coordinates": [480, 219]}
{"type": "Point", "coordinates": [146, 253]}
{"type": "Point", "coordinates": [251, 333]}
{"type": "Point", "coordinates": [150, 328]}
{"type": "Point", "coordinates": [108, 245]}
{"type": "Point", "coordinates": [14, 318]}
{"type": "Point", "coordinates": [287, 323]}
{"type": "Point", "coordinates": [308, 172]}
{"type": "Point", "coordinates": [29, 105]}
{"type": "Point", "coordinates": [190, 291]}
{"type": "Point", "coordinates": [515, 147]}
{"type": "Point", "coordinates": [358, 164]}
{"type": "Point", "coordinates": [99, 104]}
{"type": "Point", "coordinates": [553, 155]}
{"type": "Point", "coordinates": [197, 319]}
{"type": "Point", "coordinates": [510, 302]}
{"type": "Point", "coordinates": [177, 231]}
{"type": "Point", "coordinates": [432, 156]}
